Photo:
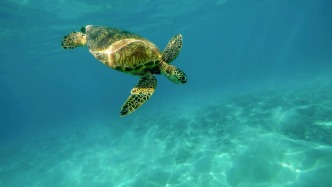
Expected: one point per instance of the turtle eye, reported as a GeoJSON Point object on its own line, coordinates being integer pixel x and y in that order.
{"type": "Point", "coordinates": [183, 79]}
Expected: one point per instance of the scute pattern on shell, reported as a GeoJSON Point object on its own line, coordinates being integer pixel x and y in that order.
{"type": "Point", "coordinates": [100, 38]}
{"type": "Point", "coordinates": [122, 50]}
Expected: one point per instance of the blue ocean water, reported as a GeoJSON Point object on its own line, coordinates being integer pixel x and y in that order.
{"type": "Point", "coordinates": [256, 110]}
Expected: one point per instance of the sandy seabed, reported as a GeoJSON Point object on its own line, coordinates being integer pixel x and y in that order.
{"type": "Point", "coordinates": [275, 137]}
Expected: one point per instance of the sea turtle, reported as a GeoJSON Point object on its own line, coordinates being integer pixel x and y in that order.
{"type": "Point", "coordinates": [130, 53]}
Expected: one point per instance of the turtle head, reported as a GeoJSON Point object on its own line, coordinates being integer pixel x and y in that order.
{"type": "Point", "coordinates": [178, 76]}
{"type": "Point", "coordinates": [174, 74]}
{"type": "Point", "coordinates": [74, 39]}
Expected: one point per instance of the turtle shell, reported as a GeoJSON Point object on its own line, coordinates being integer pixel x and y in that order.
{"type": "Point", "coordinates": [122, 50]}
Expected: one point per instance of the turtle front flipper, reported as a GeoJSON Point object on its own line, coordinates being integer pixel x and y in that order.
{"type": "Point", "coordinates": [172, 49]}
{"type": "Point", "coordinates": [140, 93]}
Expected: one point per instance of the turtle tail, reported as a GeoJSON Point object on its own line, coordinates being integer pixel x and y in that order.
{"type": "Point", "coordinates": [74, 39]}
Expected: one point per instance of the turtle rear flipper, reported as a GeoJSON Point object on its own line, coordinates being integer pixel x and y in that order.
{"type": "Point", "coordinates": [74, 39]}
{"type": "Point", "coordinates": [172, 49]}
{"type": "Point", "coordinates": [140, 93]}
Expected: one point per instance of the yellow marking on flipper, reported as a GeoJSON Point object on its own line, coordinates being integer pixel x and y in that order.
{"type": "Point", "coordinates": [144, 91]}
{"type": "Point", "coordinates": [140, 94]}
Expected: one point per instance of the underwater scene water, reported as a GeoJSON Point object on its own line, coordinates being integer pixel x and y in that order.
{"type": "Point", "coordinates": [256, 110]}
